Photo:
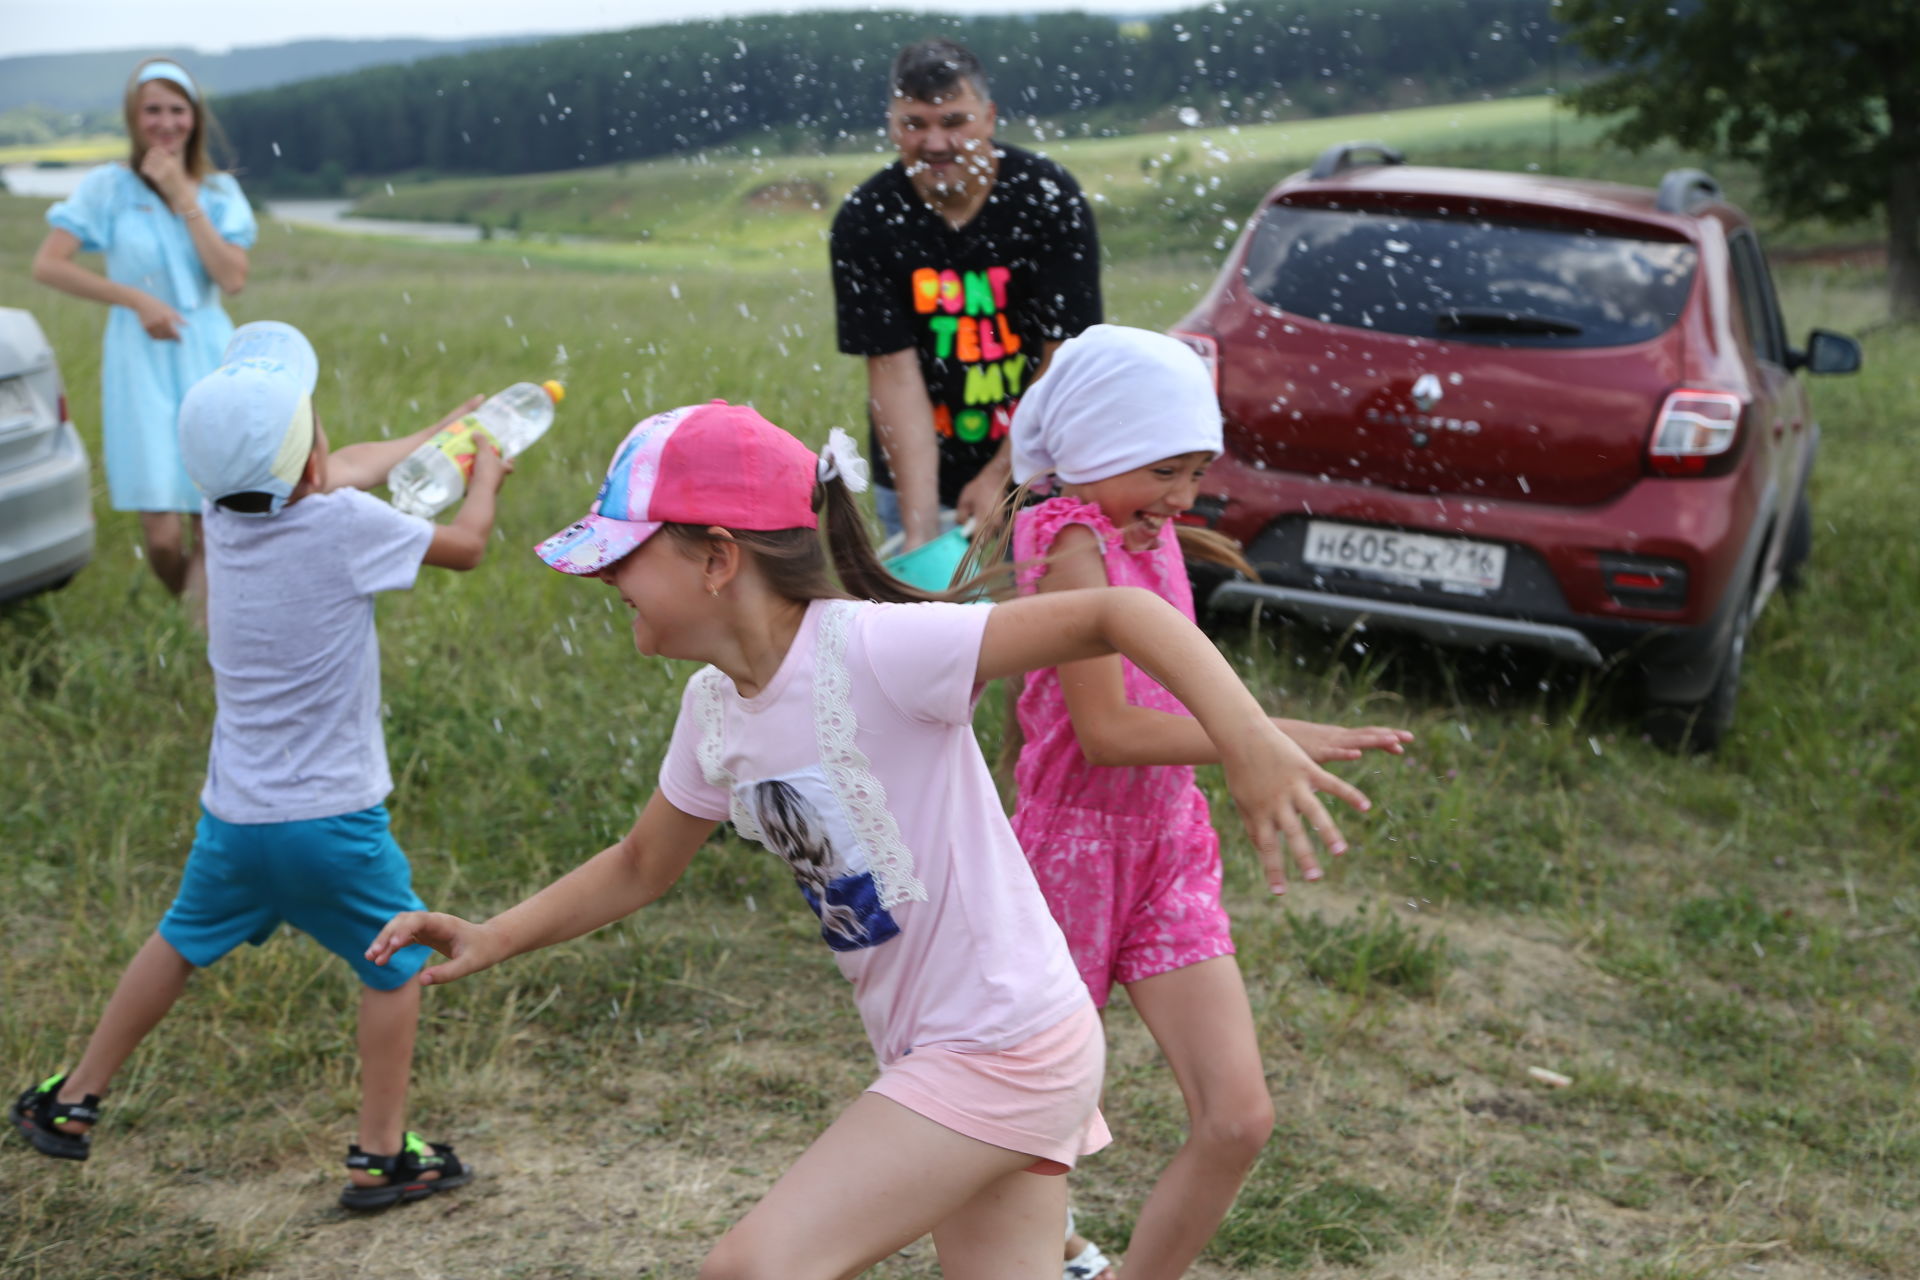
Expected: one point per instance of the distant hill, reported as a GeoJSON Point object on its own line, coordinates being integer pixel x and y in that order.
{"type": "Point", "coordinates": [817, 80]}
{"type": "Point", "coordinates": [93, 82]}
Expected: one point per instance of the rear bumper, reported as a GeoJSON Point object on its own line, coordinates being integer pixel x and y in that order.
{"type": "Point", "coordinates": [1442, 626]}
{"type": "Point", "coordinates": [46, 519]}
{"type": "Point", "coordinates": [1554, 597]}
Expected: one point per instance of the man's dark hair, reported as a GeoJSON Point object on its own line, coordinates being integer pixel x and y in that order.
{"type": "Point", "coordinates": [931, 68]}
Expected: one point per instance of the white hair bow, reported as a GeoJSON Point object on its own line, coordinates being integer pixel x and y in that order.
{"type": "Point", "coordinates": [842, 458]}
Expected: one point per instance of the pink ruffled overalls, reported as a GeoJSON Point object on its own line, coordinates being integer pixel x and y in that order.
{"type": "Point", "coordinates": [1127, 856]}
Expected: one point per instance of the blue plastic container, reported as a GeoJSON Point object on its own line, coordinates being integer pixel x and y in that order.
{"type": "Point", "coordinates": [930, 565]}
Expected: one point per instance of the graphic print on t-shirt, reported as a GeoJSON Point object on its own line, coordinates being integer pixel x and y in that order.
{"type": "Point", "coordinates": [966, 317]}
{"type": "Point", "coordinates": [801, 820]}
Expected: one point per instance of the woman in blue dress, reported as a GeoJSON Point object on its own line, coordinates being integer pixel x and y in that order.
{"type": "Point", "coordinates": [175, 233]}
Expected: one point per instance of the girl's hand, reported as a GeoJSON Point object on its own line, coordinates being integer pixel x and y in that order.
{"type": "Point", "coordinates": [1327, 742]}
{"type": "Point", "coordinates": [1273, 783]}
{"type": "Point", "coordinates": [169, 176]}
{"type": "Point", "coordinates": [468, 947]}
{"type": "Point", "coordinates": [161, 321]}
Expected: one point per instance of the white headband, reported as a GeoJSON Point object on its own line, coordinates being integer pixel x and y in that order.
{"type": "Point", "coordinates": [172, 72]}
{"type": "Point", "coordinates": [1114, 399]}
{"type": "Point", "coordinates": [842, 458]}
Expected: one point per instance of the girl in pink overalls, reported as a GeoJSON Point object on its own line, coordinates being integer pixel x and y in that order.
{"type": "Point", "coordinates": [1124, 423]}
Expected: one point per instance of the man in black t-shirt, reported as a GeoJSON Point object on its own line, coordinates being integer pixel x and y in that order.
{"type": "Point", "coordinates": [956, 271]}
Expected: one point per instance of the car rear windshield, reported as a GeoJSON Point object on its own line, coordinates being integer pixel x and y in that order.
{"type": "Point", "coordinates": [1468, 279]}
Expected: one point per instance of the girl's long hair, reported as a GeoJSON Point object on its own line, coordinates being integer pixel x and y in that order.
{"type": "Point", "coordinates": [836, 561]}
{"type": "Point", "coordinates": [197, 158]}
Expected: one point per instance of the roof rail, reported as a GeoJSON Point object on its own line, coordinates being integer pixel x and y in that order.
{"type": "Point", "coordinates": [1685, 190]}
{"type": "Point", "coordinates": [1339, 157]}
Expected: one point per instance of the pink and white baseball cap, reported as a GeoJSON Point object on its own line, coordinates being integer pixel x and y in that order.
{"type": "Point", "coordinates": [706, 464]}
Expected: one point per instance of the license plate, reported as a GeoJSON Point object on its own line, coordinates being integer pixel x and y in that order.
{"type": "Point", "coordinates": [1415, 559]}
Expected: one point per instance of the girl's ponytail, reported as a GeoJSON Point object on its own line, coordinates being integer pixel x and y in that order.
{"type": "Point", "coordinates": [851, 550]}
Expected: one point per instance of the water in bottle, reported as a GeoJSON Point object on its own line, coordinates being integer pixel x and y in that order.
{"type": "Point", "coordinates": [434, 476]}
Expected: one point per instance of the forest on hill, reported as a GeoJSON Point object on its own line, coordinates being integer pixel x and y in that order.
{"type": "Point", "coordinates": [816, 80]}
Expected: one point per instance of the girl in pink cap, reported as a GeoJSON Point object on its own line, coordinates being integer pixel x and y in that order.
{"type": "Point", "coordinates": [833, 725]}
{"type": "Point", "coordinates": [1125, 423]}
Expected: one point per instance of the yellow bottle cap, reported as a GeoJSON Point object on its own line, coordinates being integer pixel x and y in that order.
{"type": "Point", "coordinates": [554, 389]}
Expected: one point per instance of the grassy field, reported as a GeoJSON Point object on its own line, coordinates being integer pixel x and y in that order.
{"type": "Point", "coordinates": [1187, 187]}
{"type": "Point", "coordinates": [66, 151]}
{"type": "Point", "coordinates": [1720, 952]}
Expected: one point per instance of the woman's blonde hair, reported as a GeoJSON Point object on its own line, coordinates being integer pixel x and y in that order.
{"type": "Point", "coordinates": [198, 155]}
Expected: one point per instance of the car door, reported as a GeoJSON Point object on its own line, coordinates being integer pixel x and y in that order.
{"type": "Point", "coordinates": [1779, 411]}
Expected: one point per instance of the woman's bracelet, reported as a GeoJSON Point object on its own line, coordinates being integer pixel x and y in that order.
{"type": "Point", "coordinates": [191, 214]}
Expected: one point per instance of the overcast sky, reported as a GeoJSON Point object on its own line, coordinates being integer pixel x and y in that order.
{"type": "Point", "coordinates": [214, 26]}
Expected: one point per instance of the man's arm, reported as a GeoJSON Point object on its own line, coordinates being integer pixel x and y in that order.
{"type": "Point", "coordinates": [903, 424]}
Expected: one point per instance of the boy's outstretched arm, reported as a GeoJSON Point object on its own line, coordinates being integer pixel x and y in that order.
{"type": "Point", "coordinates": [462, 544]}
{"type": "Point", "coordinates": [1272, 780]}
{"type": "Point", "coordinates": [616, 882]}
{"type": "Point", "coordinates": [367, 464]}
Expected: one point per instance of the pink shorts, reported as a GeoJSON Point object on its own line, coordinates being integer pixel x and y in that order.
{"type": "Point", "coordinates": [1040, 1097]}
{"type": "Point", "coordinates": [1136, 896]}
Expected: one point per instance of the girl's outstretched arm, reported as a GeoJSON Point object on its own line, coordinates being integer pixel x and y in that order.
{"type": "Point", "coordinates": [627, 875]}
{"type": "Point", "coordinates": [1273, 782]}
{"type": "Point", "coordinates": [1114, 733]}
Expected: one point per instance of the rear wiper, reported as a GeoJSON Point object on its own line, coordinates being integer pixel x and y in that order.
{"type": "Point", "coordinates": [1493, 320]}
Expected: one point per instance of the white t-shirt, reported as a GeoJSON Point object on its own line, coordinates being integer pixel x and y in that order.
{"type": "Point", "coordinates": [296, 663]}
{"type": "Point", "coordinates": [858, 765]}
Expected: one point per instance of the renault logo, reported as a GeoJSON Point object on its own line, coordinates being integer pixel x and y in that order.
{"type": "Point", "coordinates": [1426, 392]}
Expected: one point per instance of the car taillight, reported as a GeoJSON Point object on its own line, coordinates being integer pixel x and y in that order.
{"type": "Point", "coordinates": [1205, 512]}
{"type": "Point", "coordinates": [1206, 348]}
{"type": "Point", "coordinates": [1642, 582]}
{"type": "Point", "coordinates": [1693, 428]}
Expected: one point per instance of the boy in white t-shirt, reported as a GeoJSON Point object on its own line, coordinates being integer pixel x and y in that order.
{"type": "Point", "coordinates": [292, 826]}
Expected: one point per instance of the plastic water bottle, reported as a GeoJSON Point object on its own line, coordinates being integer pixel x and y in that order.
{"type": "Point", "coordinates": [434, 476]}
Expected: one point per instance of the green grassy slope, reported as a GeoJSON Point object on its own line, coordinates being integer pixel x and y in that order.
{"type": "Point", "coordinates": [1720, 952]}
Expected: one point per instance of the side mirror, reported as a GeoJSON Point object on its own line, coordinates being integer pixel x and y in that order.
{"type": "Point", "coordinates": [1829, 352]}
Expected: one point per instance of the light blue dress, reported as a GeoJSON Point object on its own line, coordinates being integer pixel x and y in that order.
{"type": "Point", "coordinates": [142, 380]}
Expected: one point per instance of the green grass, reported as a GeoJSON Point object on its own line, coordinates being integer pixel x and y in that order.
{"type": "Point", "coordinates": [1187, 187]}
{"type": "Point", "coordinates": [66, 150]}
{"type": "Point", "coordinates": [1719, 951]}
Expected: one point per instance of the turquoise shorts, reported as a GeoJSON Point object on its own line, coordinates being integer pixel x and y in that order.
{"type": "Point", "coordinates": [336, 879]}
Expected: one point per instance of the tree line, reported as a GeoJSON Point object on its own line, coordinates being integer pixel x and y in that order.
{"type": "Point", "coordinates": [818, 79]}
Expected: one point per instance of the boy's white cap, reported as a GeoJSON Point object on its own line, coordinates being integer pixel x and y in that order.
{"type": "Point", "coordinates": [247, 427]}
{"type": "Point", "coordinates": [273, 340]}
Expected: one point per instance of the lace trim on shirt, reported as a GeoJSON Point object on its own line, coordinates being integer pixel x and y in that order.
{"type": "Point", "coordinates": [861, 793]}
{"type": "Point", "coordinates": [709, 708]}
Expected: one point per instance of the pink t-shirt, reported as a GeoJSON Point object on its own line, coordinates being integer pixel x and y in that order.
{"type": "Point", "coordinates": [857, 764]}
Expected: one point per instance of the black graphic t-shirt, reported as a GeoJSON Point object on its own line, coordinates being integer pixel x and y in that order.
{"type": "Point", "coordinates": [977, 303]}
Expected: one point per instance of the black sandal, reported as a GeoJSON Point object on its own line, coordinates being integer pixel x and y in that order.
{"type": "Point", "coordinates": [38, 1111]}
{"type": "Point", "coordinates": [402, 1172]}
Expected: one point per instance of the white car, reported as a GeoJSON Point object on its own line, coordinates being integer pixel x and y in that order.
{"type": "Point", "coordinates": [46, 508]}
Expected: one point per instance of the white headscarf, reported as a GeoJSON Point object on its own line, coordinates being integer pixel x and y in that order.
{"type": "Point", "coordinates": [1114, 399]}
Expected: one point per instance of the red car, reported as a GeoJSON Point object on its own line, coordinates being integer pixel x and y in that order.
{"type": "Point", "coordinates": [1506, 409]}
